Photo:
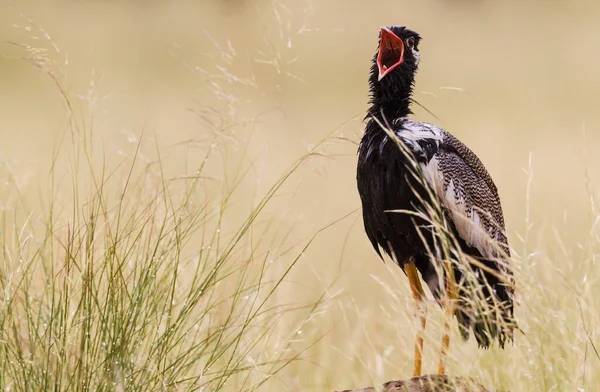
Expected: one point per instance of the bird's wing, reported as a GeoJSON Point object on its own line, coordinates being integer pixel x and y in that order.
{"type": "Point", "coordinates": [461, 183]}
{"type": "Point", "coordinates": [466, 190]}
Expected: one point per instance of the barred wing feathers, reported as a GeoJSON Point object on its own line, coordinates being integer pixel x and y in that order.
{"type": "Point", "coordinates": [468, 193]}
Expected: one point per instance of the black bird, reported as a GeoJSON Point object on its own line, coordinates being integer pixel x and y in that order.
{"type": "Point", "coordinates": [411, 175]}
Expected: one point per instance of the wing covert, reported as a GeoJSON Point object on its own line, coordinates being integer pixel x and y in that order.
{"type": "Point", "coordinates": [466, 190]}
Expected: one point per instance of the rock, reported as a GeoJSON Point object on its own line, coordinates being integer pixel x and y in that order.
{"type": "Point", "coordinates": [429, 383]}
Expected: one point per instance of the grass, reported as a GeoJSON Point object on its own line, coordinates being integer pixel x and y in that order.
{"type": "Point", "coordinates": [136, 287]}
{"type": "Point", "coordinates": [133, 284]}
{"type": "Point", "coordinates": [154, 266]}
{"type": "Point", "coordinates": [126, 279]}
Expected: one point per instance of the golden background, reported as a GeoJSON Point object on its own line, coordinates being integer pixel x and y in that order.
{"type": "Point", "coordinates": [517, 81]}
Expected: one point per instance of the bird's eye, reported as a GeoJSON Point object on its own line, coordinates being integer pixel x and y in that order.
{"type": "Point", "coordinates": [410, 42]}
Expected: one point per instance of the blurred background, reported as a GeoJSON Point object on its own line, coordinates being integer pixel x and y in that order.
{"type": "Point", "coordinates": [517, 81]}
{"type": "Point", "coordinates": [509, 78]}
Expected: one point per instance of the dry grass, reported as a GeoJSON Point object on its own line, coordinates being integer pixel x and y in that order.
{"type": "Point", "coordinates": [171, 221]}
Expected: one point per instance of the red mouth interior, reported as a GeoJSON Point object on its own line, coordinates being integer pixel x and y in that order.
{"type": "Point", "coordinates": [391, 52]}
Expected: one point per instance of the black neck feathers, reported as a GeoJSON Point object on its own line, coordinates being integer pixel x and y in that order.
{"type": "Point", "coordinates": [391, 95]}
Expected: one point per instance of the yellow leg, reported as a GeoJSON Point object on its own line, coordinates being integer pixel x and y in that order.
{"type": "Point", "coordinates": [419, 296]}
{"type": "Point", "coordinates": [449, 306]}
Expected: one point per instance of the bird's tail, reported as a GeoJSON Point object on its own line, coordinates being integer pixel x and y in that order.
{"type": "Point", "coordinates": [485, 300]}
{"type": "Point", "coordinates": [485, 303]}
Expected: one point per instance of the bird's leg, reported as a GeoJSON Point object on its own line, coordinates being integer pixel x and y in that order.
{"type": "Point", "coordinates": [419, 296]}
{"type": "Point", "coordinates": [449, 306]}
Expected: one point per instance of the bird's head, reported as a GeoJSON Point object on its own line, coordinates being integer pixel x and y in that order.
{"type": "Point", "coordinates": [398, 53]}
{"type": "Point", "coordinates": [394, 67]}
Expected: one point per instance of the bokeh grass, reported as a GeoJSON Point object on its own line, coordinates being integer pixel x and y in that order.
{"type": "Point", "coordinates": [152, 238]}
{"type": "Point", "coordinates": [133, 283]}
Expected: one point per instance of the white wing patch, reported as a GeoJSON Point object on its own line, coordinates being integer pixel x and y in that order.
{"type": "Point", "coordinates": [412, 132]}
{"type": "Point", "coordinates": [415, 130]}
{"type": "Point", "coordinates": [467, 221]}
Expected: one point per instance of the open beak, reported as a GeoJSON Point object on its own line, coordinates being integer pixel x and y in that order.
{"type": "Point", "coordinates": [391, 52]}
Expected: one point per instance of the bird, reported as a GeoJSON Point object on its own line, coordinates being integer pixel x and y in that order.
{"type": "Point", "coordinates": [429, 203]}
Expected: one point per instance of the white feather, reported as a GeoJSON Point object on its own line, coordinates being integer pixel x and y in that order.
{"type": "Point", "coordinates": [416, 55]}
{"type": "Point", "coordinates": [412, 132]}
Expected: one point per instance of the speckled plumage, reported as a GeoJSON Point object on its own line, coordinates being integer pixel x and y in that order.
{"type": "Point", "coordinates": [434, 167]}
{"type": "Point", "coordinates": [473, 186]}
